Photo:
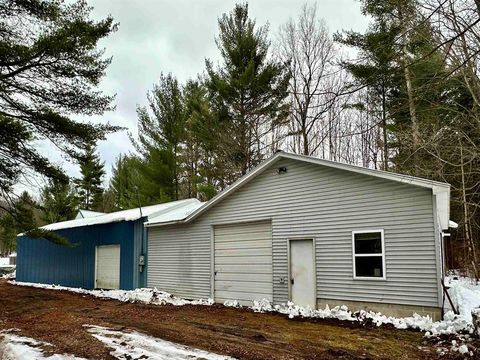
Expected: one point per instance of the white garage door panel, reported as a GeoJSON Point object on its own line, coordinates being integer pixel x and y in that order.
{"type": "Point", "coordinates": [250, 235]}
{"type": "Point", "coordinates": [243, 297]}
{"type": "Point", "coordinates": [222, 276]}
{"type": "Point", "coordinates": [241, 269]}
{"type": "Point", "coordinates": [246, 251]}
{"type": "Point", "coordinates": [108, 267]}
{"type": "Point", "coordinates": [243, 245]}
{"type": "Point", "coordinates": [243, 262]}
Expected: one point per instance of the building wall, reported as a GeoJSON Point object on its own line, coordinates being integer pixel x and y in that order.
{"type": "Point", "coordinates": [41, 261]}
{"type": "Point", "coordinates": [313, 201]}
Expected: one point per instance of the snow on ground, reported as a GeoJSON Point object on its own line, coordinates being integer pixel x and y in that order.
{"type": "Point", "coordinates": [452, 324]}
{"type": "Point", "coordinates": [9, 276]}
{"type": "Point", "coordinates": [15, 347]}
{"type": "Point", "coordinates": [143, 295]}
{"type": "Point", "coordinates": [135, 345]}
{"type": "Point", "coordinates": [465, 294]}
{"type": "Point", "coordinates": [124, 345]}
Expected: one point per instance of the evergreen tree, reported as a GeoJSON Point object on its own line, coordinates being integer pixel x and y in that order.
{"type": "Point", "coordinates": [429, 96]}
{"type": "Point", "coordinates": [90, 188]}
{"type": "Point", "coordinates": [247, 91]}
{"type": "Point", "coordinates": [49, 69]}
{"type": "Point", "coordinates": [21, 217]}
{"type": "Point", "coordinates": [378, 71]}
{"type": "Point", "coordinates": [160, 137]}
{"type": "Point", "coordinates": [125, 183]}
{"type": "Point", "coordinates": [8, 233]}
{"type": "Point", "coordinates": [58, 202]}
{"type": "Point", "coordinates": [203, 168]}
{"type": "Point", "coordinates": [24, 212]}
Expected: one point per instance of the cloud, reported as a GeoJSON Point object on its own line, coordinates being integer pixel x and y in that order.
{"type": "Point", "coordinates": [177, 36]}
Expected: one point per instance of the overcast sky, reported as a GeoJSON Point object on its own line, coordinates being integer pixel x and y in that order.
{"type": "Point", "coordinates": [177, 36]}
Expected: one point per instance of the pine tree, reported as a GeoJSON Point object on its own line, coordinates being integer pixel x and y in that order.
{"type": "Point", "coordinates": [430, 99]}
{"type": "Point", "coordinates": [203, 168]}
{"type": "Point", "coordinates": [89, 186]}
{"type": "Point", "coordinates": [378, 71]}
{"type": "Point", "coordinates": [125, 183]}
{"type": "Point", "coordinates": [8, 233]}
{"type": "Point", "coordinates": [247, 91]}
{"type": "Point", "coordinates": [50, 67]}
{"type": "Point", "coordinates": [160, 137]}
{"type": "Point", "coordinates": [58, 202]}
{"type": "Point", "coordinates": [21, 217]}
{"type": "Point", "coordinates": [24, 211]}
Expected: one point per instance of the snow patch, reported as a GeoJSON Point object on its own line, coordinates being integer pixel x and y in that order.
{"type": "Point", "coordinates": [15, 347]}
{"type": "Point", "coordinates": [465, 294]}
{"type": "Point", "coordinates": [232, 303]}
{"type": "Point", "coordinates": [142, 295]}
{"type": "Point", "coordinates": [135, 345]}
{"type": "Point", "coordinates": [9, 276]}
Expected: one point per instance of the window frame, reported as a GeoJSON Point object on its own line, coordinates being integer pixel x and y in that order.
{"type": "Point", "coordinates": [382, 254]}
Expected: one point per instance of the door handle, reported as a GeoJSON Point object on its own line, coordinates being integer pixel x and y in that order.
{"type": "Point", "coordinates": [292, 281]}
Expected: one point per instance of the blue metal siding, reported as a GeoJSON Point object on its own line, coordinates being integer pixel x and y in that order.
{"type": "Point", "coordinates": [139, 249]}
{"type": "Point", "coordinates": [41, 261]}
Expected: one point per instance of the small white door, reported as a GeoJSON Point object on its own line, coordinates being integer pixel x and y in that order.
{"type": "Point", "coordinates": [107, 267]}
{"type": "Point", "coordinates": [302, 273]}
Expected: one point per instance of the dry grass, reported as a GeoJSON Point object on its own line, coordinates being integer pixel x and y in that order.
{"type": "Point", "coordinates": [58, 318]}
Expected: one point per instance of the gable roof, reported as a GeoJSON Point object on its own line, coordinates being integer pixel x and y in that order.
{"type": "Point", "coordinates": [82, 214]}
{"type": "Point", "coordinates": [124, 215]}
{"type": "Point", "coordinates": [441, 190]}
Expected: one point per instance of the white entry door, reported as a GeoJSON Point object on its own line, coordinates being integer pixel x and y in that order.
{"type": "Point", "coordinates": [302, 272]}
{"type": "Point", "coordinates": [107, 267]}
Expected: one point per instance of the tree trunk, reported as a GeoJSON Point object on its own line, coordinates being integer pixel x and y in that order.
{"type": "Point", "coordinates": [384, 128]}
{"type": "Point", "coordinates": [306, 147]}
{"type": "Point", "coordinates": [175, 172]}
{"type": "Point", "coordinates": [476, 322]}
{"type": "Point", "coordinates": [411, 100]}
{"type": "Point", "coordinates": [466, 213]}
{"type": "Point", "coordinates": [408, 84]}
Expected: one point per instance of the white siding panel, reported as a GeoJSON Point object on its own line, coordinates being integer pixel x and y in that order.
{"type": "Point", "coordinates": [312, 201]}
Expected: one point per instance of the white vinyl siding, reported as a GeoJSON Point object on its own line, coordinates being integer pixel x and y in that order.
{"type": "Point", "coordinates": [312, 201]}
{"type": "Point", "coordinates": [243, 262]}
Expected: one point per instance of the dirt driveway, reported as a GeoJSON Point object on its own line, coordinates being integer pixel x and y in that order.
{"type": "Point", "coordinates": [57, 317]}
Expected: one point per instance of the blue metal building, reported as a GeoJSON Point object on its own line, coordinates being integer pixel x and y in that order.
{"type": "Point", "coordinates": [81, 265]}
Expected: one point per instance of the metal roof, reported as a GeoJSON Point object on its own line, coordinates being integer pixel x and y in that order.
{"type": "Point", "coordinates": [124, 215]}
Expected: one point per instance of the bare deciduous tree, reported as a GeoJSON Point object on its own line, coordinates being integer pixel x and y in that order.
{"type": "Point", "coordinates": [307, 49]}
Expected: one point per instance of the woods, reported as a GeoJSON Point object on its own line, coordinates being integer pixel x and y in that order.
{"type": "Point", "coordinates": [402, 96]}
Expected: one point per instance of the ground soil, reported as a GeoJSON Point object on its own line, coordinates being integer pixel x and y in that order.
{"type": "Point", "coordinates": [57, 317]}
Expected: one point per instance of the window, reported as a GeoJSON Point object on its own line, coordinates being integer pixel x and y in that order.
{"type": "Point", "coordinates": [368, 255]}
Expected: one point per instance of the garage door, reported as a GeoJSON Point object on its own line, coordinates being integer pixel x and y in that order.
{"type": "Point", "coordinates": [243, 262]}
{"type": "Point", "coordinates": [108, 267]}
